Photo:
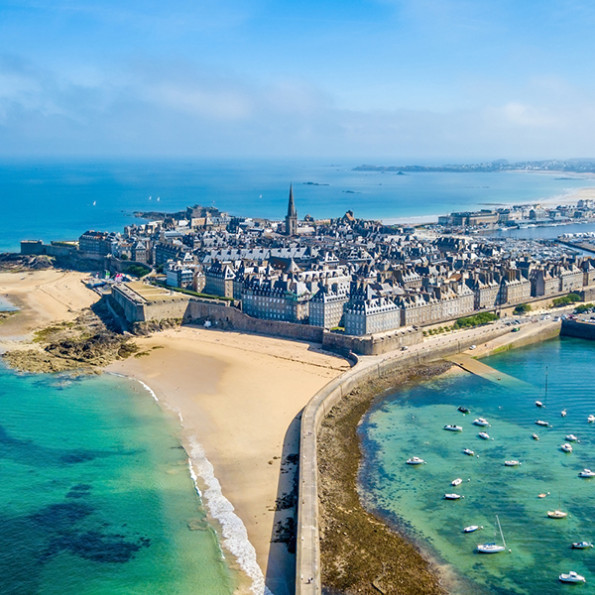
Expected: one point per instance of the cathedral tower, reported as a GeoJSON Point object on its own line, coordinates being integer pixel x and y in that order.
{"type": "Point", "coordinates": [291, 218]}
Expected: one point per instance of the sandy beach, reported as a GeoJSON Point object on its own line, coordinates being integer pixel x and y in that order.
{"type": "Point", "coordinates": [43, 298]}
{"type": "Point", "coordinates": [237, 397]}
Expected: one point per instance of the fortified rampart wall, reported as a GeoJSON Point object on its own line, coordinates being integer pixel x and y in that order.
{"type": "Point", "coordinates": [577, 328]}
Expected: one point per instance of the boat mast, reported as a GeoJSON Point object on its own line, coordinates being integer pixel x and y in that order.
{"type": "Point", "coordinates": [501, 534]}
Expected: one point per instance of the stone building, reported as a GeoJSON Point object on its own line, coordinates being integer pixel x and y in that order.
{"type": "Point", "coordinates": [219, 279]}
{"type": "Point", "coordinates": [367, 313]}
{"type": "Point", "coordinates": [326, 306]}
{"type": "Point", "coordinates": [96, 244]}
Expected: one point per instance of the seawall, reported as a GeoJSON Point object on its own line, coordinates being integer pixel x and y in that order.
{"type": "Point", "coordinates": [578, 328]}
{"type": "Point", "coordinates": [308, 566]}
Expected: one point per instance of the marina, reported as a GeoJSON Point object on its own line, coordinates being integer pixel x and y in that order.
{"type": "Point", "coordinates": [538, 469]}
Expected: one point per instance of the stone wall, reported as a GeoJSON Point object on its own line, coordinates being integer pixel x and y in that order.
{"type": "Point", "coordinates": [232, 318]}
{"type": "Point", "coordinates": [371, 345]}
{"type": "Point", "coordinates": [576, 328]}
{"type": "Point", "coordinates": [167, 308]}
{"type": "Point", "coordinates": [132, 307]}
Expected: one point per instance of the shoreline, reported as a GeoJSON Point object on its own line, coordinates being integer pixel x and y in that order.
{"type": "Point", "coordinates": [237, 398]}
{"type": "Point", "coordinates": [572, 196]}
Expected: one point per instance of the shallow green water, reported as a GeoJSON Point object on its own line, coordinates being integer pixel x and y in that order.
{"type": "Point", "coordinates": [410, 422]}
{"type": "Point", "coordinates": [96, 495]}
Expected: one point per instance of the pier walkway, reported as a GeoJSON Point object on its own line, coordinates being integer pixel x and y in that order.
{"type": "Point", "coordinates": [473, 366]}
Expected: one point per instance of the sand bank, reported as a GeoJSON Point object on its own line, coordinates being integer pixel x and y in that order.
{"type": "Point", "coordinates": [43, 298]}
{"type": "Point", "coordinates": [238, 396]}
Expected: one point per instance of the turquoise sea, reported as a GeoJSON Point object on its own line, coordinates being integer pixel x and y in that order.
{"type": "Point", "coordinates": [96, 496]}
{"type": "Point", "coordinates": [57, 200]}
{"type": "Point", "coordinates": [410, 422]}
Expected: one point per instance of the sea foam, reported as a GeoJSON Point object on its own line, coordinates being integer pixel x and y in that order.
{"type": "Point", "coordinates": [233, 530]}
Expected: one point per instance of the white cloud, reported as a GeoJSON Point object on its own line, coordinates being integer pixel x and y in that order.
{"type": "Point", "coordinates": [518, 114]}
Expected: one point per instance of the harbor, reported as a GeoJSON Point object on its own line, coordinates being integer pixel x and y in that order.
{"type": "Point", "coordinates": [545, 478]}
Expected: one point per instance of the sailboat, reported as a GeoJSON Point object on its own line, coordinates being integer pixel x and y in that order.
{"type": "Point", "coordinates": [493, 548]}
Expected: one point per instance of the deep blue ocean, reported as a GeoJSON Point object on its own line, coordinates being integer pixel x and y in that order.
{"type": "Point", "coordinates": [410, 421]}
{"type": "Point", "coordinates": [59, 200]}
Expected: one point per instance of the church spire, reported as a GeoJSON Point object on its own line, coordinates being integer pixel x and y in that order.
{"type": "Point", "coordinates": [291, 212]}
{"type": "Point", "coordinates": [291, 218]}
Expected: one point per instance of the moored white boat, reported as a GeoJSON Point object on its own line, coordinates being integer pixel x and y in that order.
{"type": "Point", "coordinates": [535, 437]}
{"type": "Point", "coordinates": [557, 514]}
{"type": "Point", "coordinates": [586, 473]}
{"type": "Point", "coordinates": [591, 419]}
{"type": "Point", "coordinates": [572, 577]}
{"type": "Point", "coordinates": [415, 461]}
{"type": "Point", "coordinates": [571, 438]}
{"type": "Point", "coordinates": [538, 403]}
{"type": "Point", "coordinates": [484, 435]}
{"type": "Point", "coordinates": [468, 452]}
{"type": "Point", "coordinates": [566, 447]}
{"type": "Point", "coordinates": [481, 421]}
{"type": "Point", "coordinates": [456, 482]}
{"type": "Point", "coordinates": [541, 422]}
{"type": "Point", "coordinates": [472, 528]}
{"type": "Point", "coordinates": [453, 428]}
{"type": "Point", "coordinates": [512, 463]}
{"type": "Point", "coordinates": [453, 496]}
{"type": "Point", "coordinates": [581, 545]}
{"type": "Point", "coordinates": [563, 413]}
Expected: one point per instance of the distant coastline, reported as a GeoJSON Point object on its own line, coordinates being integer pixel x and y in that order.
{"type": "Point", "coordinates": [576, 166]}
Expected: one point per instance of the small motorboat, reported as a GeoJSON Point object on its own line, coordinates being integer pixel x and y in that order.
{"type": "Point", "coordinates": [557, 514]}
{"type": "Point", "coordinates": [535, 436]}
{"type": "Point", "coordinates": [471, 529]}
{"type": "Point", "coordinates": [468, 452]}
{"type": "Point", "coordinates": [572, 577]}
{"type": "Point", "coordinates": [566, 447]}
{"type": "Point", "coordinates": [484, 435]}
{"type": "Point", "coordinates": [453, 428]}
{"type": "Point", "coordinates": [586, 473]}
{"type": "Point", "coordinates": [581, 545]}
{"type": "Point", "coordinates": [563, 413]}
{"type": "Point", "coordinates": [481, 421]}
{"type": "Point", "coordinates": [591, 419]}
{"type": "Point", "coordinates": [540, 422]}
{"type": "Point", "coordinates": [456, 482]}
{"type": "Point", "coordinates": [539, 404]}
{"type": "Point", "coordinates": [571, 438]}
{"type": "Point", "coordinates": [453, 496]}
{"type": "Point", "coordinates": [512, 463]}
{"type": "Point", "coordinates": [463, 410]}
{"type": "Point", "coordinates": [543, 495]}
{"type": "Point", "coordinates": [415, 461]}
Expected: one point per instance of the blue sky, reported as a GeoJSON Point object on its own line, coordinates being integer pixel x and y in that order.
{"type": "Point", "coordinates": [367, 79]}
